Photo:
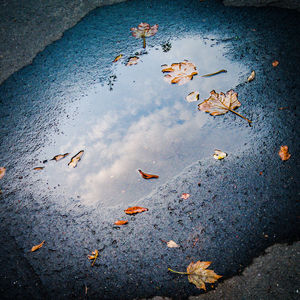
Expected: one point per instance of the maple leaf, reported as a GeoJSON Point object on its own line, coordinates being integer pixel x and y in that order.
{"type": "Point", "coordinates": [284, 153]}
{"type": "Point", "coordinates": [94, 256]}
{"type": "Point", "coordinates": [36, 247]}
{"type": "Point", "coordinates": [172, 244]}
{"type": "Point", "coordinates": [134, 210]}
{"type": "Point", "coordinates": [75, 159]}
{"type": "Point", "coordinates": [198, 274]}
{"type": "Point", "coordinates": [252, 76]}
{"type": "Point", "coordinates": [144, 30]}
{"type": "Point", "coordinates": [147, 176]}
{"type": "Point", "coordinates": [219, 104]}
{"type": "Point", "coordinates": [121, 222]}
{"type": "Point", "coordinates": [219, 154]}
{"type": "Point", "coordinates": [193, 96]}
{"type": "Point", "coordinates": [118, 57]}
{"type": "Point", "coordinates": [185, 196]}
{"type": "Point", "coordinates": [132, 61]}
{"type": "Point", "coordinates": [2, 172]}
{"type": "Point", "coordinates": [60, 156]}
{"type": "Point", "coordinates": [38, 168]}
{"type": "Point", "coordinates": [179, 73]}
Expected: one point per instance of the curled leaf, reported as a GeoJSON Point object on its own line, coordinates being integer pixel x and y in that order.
{"type": "Point", "coordinates": [60, 156]}
{"type": "Point", "coordinates": [193, 96]}
{"type": "Point", "coordinates": [213, 74]}
{"type": "Point", "coordinates": [132, 61]}
{"type": "Point", "coordinates": [144, 30]}
{"type": "Point", "coordinates": [179, 73]}
{"type": "Point", "coordinates": [219, 154]}
{"type": "Point", "coordinates": [135, 210]}
{"type": "Point", "coordinates": [284, 153]}
{"type": "Point", "coordinates": [75, 159]}
{"type": "Point", "coordinates": [38, 168]}
{"type": "Point", "coordinates": [118, 57]}
{"type": "Point", "coordinates": [121, 222]}
{"type": "Point", "coordinates": [94, 256]}
{"type": "Point", "coordinates": [172, 244]}
{"type": "Point", "coordinates": [2, 172]}
{"type": "Point", "coordinates": [185, 196]}
{"type": "Point", "coordinates": [34, 248]}
{"type": "Point", "coordinates": [219, 104]}
{"type": "Point", "coordinates": [251, 77]}
{"type": "Point", "coordinates": [275, 63]}
{"type": "Point", "coordinates": [147, 176]}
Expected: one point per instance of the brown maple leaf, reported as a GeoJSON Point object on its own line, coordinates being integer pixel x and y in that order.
{"type": "Point", "coordinates": [220, 104]}
{"type": "Point", "coordinates": [36, 247]}
{"type": "Point", "coordinates": [147, 176]}
{"type": "Point", "coordinates": [284, 153]}
{"type": "Point", "coordinates": [75, 159]}
{"type": "Point", "coordinates": [2, 172]}
{"type": "Point", "coordinates": [135, 210]}
{"type": "Point", "coordinates": [179, 73]}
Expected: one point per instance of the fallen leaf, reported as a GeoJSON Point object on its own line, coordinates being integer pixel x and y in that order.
{"type": "Point", "coordinates": [34, 248]}
{"type": "Point", "coordinates": [132, 61]}
{"type": "Point", "coordinates": [251, 77]}
{"type": "Point", "coordinates": [172, 244]}
{"type": "Point", "coordinates": [284, 153]}
{"type": "Point", "coordinates": [179, 73]}
{"type": "Point", "coordinates": [121, 222]}
{"type": "Point", "coordinates": [185, 196]}
{"type": "Point", "coordinates": [215, 73]}
{"type": "Point", "coordinates": [2, 172]}
{"type": "Point", "coordinates": [198, 274]}
{"type": "Point", "coordinates": [118, 57]}
{"type": "Point", "coordinates": [94, 256]}
{"type": "Point", "coordinates": [60, 156]}
{"type": "Point", "coordinates": [191, 97]}
{"type": "Point", "coordinates": [219, 154]}
{"type": "Point", "coordinates": [75, 159]}
{"type": "Point", "coordinates": [275, 63]}
{"type": "Point", "coordinates": [135, 210]}
{"type": "Point", "coordinates": [38, 168]}
{"type": "Point", "coordinates": [144, 30]}
{"type": "Point", "coordinates": [147, 176]}
{"type": "Point", "coordinates": [219, 104]}
{"type": "Point", "coordinates": [283, 108]}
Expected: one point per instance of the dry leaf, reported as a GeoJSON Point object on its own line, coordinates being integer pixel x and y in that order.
{"type": "Point", "coordinates": [185, 196]}
{"type": "Point", "coordinates": [118, 57]}
{"type": "Point", "coordinates": [121, 222]}
{"type": "Point", "coordinates": [60, 156]}
{"type": "Point", "coordinates": [191, 97]}
{"type": "Point", "coordinates": [94, 256]}
{"type": "Point", "coordinates": [275, 63]}
{"type": "Point", "coordinates": [251, 77]}
{"type": "Point", "coordinates": [38, 168]}
{"type": "Point", "coordinates": [34, 248]}
{"type": "Point", "coordinates": [2, 172]}
{"type": "Point", "coordinates": [144, 30]}
{"type": "Point", "coordinates": [75, 159]}
{"type": "Point", "coordinates": [172, 244]}
{"type": "Point", "coordinates": [179, 73]}
{"type": "Point", "coordinates": [135, 210]}
{"type": "Point", "coordinates": [212, 74]}
{"type": "Point", "coordinates": [132, 61]}
{"type": "Point", "coordinates": [219, 154]}
{"type": "Point", "coordinates": [147, 176]}
{"type": "Point", "coordinates": [284, 153]}
{"type": "Point", "coordinates": [219, 104]}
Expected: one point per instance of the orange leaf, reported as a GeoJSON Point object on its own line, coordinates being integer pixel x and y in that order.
{"type": "Point", "coordinates": [118, 57]}
{"type": "Point", "coordinates": [2, 172]}
{"type": "Point", "coordinates": [94, 256]}
{"type": "Point", "coordinates": [284, 153]}
{"type": "Point", "coordinates": [121, 222]}
{"type": "Point", "coordinates": [132, 61]}
{"type": "Point", "coordinates": [148, 176]}
{"type": "Point", "coordinates": [135, 210]}
{"type": "Point", "coordinates": [185, 196]}
{"type": "Point", "coordinates": [34, 248]}
{"type": "Point", "coordinates": [275, 63]}
{"type": "Point", "coordinates": [60, 156]}
{"type": "Point", "coordinates": [38, 168]}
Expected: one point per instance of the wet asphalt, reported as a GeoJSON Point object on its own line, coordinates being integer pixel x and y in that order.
{"type": "Point", "coordinates": [242, 205]}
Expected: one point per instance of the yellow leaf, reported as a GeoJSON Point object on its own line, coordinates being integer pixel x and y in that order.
{"type": "Point", "coordinates": [118, 57]}
{"type": "Point", "coordinates": [34, 248]}
{"type": "Point", "coordinates": [251, 77]}
{"type": "Point", "coordinates": [219, 154]}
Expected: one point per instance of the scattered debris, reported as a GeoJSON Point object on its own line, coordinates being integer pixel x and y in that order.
{"type": "Point", "coordinates": [121, 222]}
{"type": "Point", "coordinates": [147, 176]}
{"type": "Point", "coordinates": [172, 244]}
{"type": "Point", "coordinates": [284, 153]}
{"type": "Point", "coordinates": [283, 108]}
{"type": "Point", "coordinates": [75, 159]}
{"type": "Point", "coordinates": [60, 156]}
{"type": "Point", "coordinates": [94, 256]}
{"type": "Point", "coordinates": [185, 196]}
{"type": "Point", "coordinates": [135, 210]}
{"type": "Point", "coordinates": [132, 61]}
{"type": "Point", "coordinates": [219, 154]}
{"type": "Point", "coordinates": [118, 57]}
{"type": "Point", "coordinates": [34, 248]}
{"type": "Point", "coordinates": [275, 63]}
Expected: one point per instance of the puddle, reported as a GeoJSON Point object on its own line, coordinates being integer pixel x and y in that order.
{"type": "Point", "coordinates": [142, 122]}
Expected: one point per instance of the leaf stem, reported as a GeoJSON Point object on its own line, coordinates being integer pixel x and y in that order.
{"type": "Point", "coordinates": [144, 42]}
{"type": "Point", "coordinates": [240, 115]}
{"type": "Point", "coordinates": [183, 273]}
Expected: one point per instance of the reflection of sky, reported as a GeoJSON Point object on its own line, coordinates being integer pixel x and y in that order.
{"type": "Point", "coordinates": [144, 123]}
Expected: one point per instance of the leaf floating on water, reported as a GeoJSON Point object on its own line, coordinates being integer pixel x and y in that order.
{"type": "Point", "coordinates": [284, 153]}
{"type": "Point", "coordinates": [2, 172]}
{"type": "Point", "coordinates": [219, 154]}
{"type": "Point", "coordinates": [118, 57]}
{"type": "Point", "coordinates": [135, 210]}
{"type": "Point", "coordinates": [38, 168]}
{"type": "Point", "coordinates": [132, 61]}
{"type": "Point", "coordinates": [213, 74]}
{"type": "Point", "coordinates": [219, 104]}
{"type": "Point", "coordinates": [251, 77]}
{"type": "Point", "coordinates": [179, 73]}
{"type": "Point", "coordinates": [121, 222]}
{"type": "Point", "coordinates": [94, 256]}
{"type": "Point", "coordinates": [192, 97]}
{"type": "Point", "coordinates": [172, 244]}
{"type": "Point", "coordinates": [147, 176]}
{"type": "Point", "coordinates": [34, 248]}
{"type": "Point", "coordinates": [60, 156]}
{"type": "Point", "coordinates": [185, 196]}
{"type": "Point", "coordinates": [198, 274]}
{"type": "Point", "coordinates": [75, 159]}
{"type": "Point", "coordinates": [275, 63]}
